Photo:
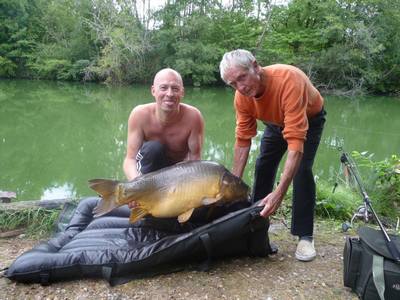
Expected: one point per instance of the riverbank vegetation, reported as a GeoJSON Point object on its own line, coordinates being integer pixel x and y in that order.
{"type": "Point", "coordinates": [35, 222]}
{"type": "Point", "coordinates": [348, 46]}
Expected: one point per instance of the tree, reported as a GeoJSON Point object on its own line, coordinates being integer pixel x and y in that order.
{"type": "Point", "coordinates": [16, 39]}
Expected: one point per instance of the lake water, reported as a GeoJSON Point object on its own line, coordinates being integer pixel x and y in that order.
{"type": "Point", "coordinates": [56, 136]}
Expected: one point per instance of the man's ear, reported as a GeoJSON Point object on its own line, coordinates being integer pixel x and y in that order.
{"type": "Point", "coordinates": [256, 67]}
{"type": "Point", "coordinates": [152, 90]}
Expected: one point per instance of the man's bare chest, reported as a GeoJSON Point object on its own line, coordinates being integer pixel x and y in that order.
{"type": "Point", "coordinates": [167, 135]}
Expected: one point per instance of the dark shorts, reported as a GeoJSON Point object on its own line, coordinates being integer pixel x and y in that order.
{"type": "Point", "coordinates": [152, 157]}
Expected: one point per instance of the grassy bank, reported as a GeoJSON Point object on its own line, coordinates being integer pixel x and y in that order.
{"type": "Point", "coordinates": [36, 222]}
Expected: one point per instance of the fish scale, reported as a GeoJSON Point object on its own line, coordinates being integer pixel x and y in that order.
{"type": "Point", "coordinates": [171, 192]}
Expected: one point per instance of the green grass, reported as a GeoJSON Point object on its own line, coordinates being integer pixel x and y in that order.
{"type": "Point", "coordinates": [339, 203]}
{"type": "Point", "coordinates": [37, 221]}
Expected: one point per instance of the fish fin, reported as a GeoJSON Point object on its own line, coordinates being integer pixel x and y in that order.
{"type": "Point", "coordinates": [208, 201]}
{"type": "Point", "coordinates": [137, 214]}
{"type": "Point", "coordinates": [225, 182]}
{"type": "Point", "coordinates": [182, 218]}
{"type": "Point", "coordinates": [108, 190]}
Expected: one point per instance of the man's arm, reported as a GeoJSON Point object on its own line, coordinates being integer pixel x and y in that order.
{"type": "Point", "coordinates": [273, 200]}
{"type": "Point", "coordinates": [196, 137]}
{"type": "Point", "coordinates": [294, 132]}
{"type": "Point", "coordinates": [246, 129]}
{"type": "Point", "coordinates": [240, 157]}
{"type": "Point", "coordinates": [134, 142]}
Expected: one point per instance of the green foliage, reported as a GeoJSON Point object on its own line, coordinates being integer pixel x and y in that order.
{"type": "Point", "coordinates": [339, 203]}
{"type": "Point", "coordinates": [383, 182]}
{"type": "Point", "coordinates": [16, 40]}
{"type": "Point", "coordinates": [347, 45]}
{"type": "Point", "coordinates": [189, 50]}
{"type": "Point", "coordinates": [7, 67]}
{"type": "Point", "coordinates": [124, 46]}
{"type": "Point", "coordinates": [340, 44]}
{"type": "Point", "coordinates": [57, 69]}
{"type": "Point", "coordinates": [37, 221]}
{"type": "Point", "coordinates": [78, 69]}
{"type": "Point", "coordinates": [196, 62]}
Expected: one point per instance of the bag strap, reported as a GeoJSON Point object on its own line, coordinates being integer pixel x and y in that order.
{"type": "Point", "coordinates": [44, 278]}
{"type": "Point", "coordinates": [106, 272]}
{"type": "Point", "coordinates": [378, 275]}
{"type": "Point", "coordinates": [3, 272]}
{"type": "Point", "coordinates": [205, 239]}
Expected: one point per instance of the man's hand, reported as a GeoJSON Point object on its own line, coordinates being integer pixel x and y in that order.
{"type": "Point", "coordinates": [271, 203]}
{"type": "Point", "coordinates": [273, 200]}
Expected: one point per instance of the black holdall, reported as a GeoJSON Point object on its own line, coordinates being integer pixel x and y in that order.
{"type": "Point", "coordinates": [369, 268]}
{"type": "Point", "coordinates": [371, 260]}
{"type": "Point", "coordinates": [111, 248]}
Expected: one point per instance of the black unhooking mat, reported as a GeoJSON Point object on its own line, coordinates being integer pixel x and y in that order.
{"type": "Point", "coordinates": [110, 247]}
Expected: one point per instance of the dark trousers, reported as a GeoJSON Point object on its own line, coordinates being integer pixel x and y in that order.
{"type": "Point", "coordinates": [272, 148]}
{"type": "Point", "coordinates": [151, 157]}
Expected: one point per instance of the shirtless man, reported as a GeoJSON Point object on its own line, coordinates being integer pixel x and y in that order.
{"type": "Point", "coordinates": [163, 133]}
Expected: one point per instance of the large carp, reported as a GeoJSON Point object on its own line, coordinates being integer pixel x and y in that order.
{"type": "Point", "coordinates": [171, 192]}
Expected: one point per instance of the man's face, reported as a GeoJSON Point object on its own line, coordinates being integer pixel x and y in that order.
{"type": "Point", "coordinates": [167, 91]}
{"type": "Point", "coordinates": [247, 82]}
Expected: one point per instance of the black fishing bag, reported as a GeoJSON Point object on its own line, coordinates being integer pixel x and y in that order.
{"type": "Point", "coordinates": [369, 268]}
{"type": "Point", "coordinates": [110, 247]}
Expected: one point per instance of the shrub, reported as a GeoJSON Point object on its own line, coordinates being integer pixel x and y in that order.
{"type": "Point", "coordinates": [7, 67]}
{"type": "Point", "coordinates": [55, 69]}
{"type": "Point", "coordinates": [382, 182]}
{"type": "Point", "coordinates": [339, 203]}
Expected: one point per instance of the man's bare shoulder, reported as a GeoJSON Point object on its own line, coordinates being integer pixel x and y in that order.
{"type": "Point", "coordinates": [143, 110]}
{"type": "Point", "coordinates": [190, 110]}
{"type": "Point", "coordinates": [141, 114]}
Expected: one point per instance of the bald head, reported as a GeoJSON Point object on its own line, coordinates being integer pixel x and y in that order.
{"type": "Point", "coordinates": [167, 72]}
{"type": "Point", "coordinates": [167, 90]}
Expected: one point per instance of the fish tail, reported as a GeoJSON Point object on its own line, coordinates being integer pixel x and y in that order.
{"type": "Point", "coordinates": [108, 190]}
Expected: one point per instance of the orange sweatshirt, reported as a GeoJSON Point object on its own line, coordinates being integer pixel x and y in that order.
{"type": "Point", "coordinates": [288, 101]}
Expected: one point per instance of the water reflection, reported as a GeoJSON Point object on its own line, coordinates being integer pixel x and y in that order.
{"type": "Point", "coordinates": [334, 142]}
{"type": "Point", "coordinates": [54, 137]}
{"type": "Point", "coordinates": [56, 191]}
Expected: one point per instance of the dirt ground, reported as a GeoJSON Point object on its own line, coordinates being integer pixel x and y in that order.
{"type": "Point", "coordinates": [279, 276]}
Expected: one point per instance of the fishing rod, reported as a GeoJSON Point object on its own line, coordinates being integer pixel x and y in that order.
{"type": "Point", "coordinates": [352, 167]}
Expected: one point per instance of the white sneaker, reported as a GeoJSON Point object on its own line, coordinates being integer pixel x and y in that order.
{"type": "Point", "coordinates": [305, 250]}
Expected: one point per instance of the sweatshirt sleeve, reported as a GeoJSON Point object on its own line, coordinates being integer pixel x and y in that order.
{"type": "Point", "coordinates": [246, 123]}
{"type": "Point", "coordinates": [294, 101]}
